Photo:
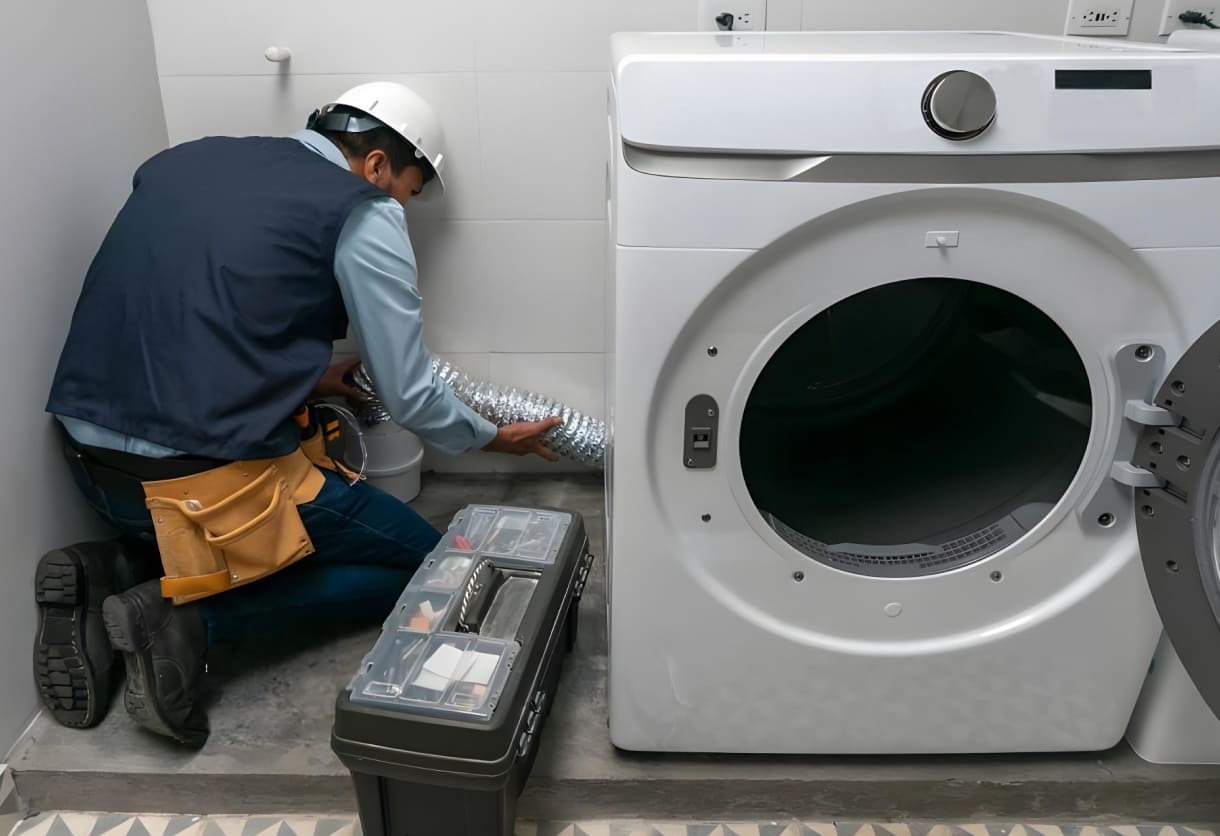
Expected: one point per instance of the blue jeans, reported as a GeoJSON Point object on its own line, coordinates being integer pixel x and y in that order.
{"type": "Point", "coordinates": [368, 545]}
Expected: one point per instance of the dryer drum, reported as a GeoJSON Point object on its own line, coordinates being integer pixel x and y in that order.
{"type": "Point", "coordinates": [916, 427]}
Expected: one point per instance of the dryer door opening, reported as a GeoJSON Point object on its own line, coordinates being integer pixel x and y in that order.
{"type": "Point", "coordinates": [916, 427]}
{"type": "Point", "coordinates": [1179, 523]}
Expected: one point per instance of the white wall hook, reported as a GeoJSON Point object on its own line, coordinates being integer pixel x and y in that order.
{"type": "Point", "coordinates": [278, 54]}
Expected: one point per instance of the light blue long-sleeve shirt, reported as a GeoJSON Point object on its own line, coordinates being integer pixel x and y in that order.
{"type": "Point", "coordinates": [377, 275]}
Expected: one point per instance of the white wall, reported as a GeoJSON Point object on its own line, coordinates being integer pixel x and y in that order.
{"type": "Point", "coordinates": [81, 111]}
{"type": "Point", "coordinates": [512, 263]}
{"type": "Point", "coordinates": [1045, 17]}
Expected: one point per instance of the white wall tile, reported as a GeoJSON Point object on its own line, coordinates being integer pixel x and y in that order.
{"type": "Point", "coordinates": [542, 35]}
{"type": "Point", "coordinates": [455, 281]}
{"type": "Point", "coordinates": [654, 15]}
{"type": "Point", "coordinates": [575, 379]}
{"type": "Point", "coordinates": [506, 286]}
{"type": "Point", "coordinates": [475, 365]}
{"type": "Point", "coordinates": [344, 350]}
{"type": "Point", "coordinates": [363, 36]}
{"type": "Point", "coordinates": [1041, 16]}
{"type": "Point", "coordinates": [1145, 21]}
{"type": "Point", "coordinates": [784, 15]}
{"type": "Point", "coordinates": [198, 106]}
{"type": "Point", "coordinates": [544, 144]}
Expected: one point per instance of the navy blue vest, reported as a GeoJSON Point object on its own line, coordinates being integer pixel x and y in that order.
{"type": "Point", "coordinates": [207, 316]}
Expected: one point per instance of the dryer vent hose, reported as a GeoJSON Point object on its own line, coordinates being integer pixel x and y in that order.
{"type": "Point", "coordinates": [581, 437]}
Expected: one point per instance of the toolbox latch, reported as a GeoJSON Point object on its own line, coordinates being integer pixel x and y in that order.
{"type": "Point", "coordinates": [586, 564]}
{"type": "Point", "coordinates": [533, 720]}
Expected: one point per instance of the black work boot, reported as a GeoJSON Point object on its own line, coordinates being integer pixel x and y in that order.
{"type": "Point", "coordinates": [165, 648]}
{"type": "Point", "coordinates": [74, 665]}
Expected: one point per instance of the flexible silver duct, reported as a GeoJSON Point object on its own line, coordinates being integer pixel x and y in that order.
{"type": "Point", "coordinates": [581, 437]}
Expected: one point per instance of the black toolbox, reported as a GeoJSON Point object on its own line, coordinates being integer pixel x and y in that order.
{"type": "Point", "coordinates": [440, 725]}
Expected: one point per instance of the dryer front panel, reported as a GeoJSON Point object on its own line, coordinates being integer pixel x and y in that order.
{"type": "Point", "coordinates": [920, 420]}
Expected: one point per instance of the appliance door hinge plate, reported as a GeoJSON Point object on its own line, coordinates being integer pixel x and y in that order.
{"type": "Point", "coordinates": [1149, 415]}
{"type": "Point", "coordinates": [1145, 414]}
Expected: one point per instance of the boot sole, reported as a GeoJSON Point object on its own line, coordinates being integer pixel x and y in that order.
{"type": "Point", "coordinates": [76, 694]}
{"type": "Point", "coordinates": [129, 635]}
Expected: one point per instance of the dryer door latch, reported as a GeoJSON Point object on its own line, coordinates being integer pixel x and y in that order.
{"type": "Point", "coordinates": [700, 433]}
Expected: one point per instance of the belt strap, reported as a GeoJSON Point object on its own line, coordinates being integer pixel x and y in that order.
{"type": "Point", "coordinates": [195, 585]}
{"type": "Point", "coordinates": [142, 468]}
{"type": "Point", "coordinates": [218, 483]}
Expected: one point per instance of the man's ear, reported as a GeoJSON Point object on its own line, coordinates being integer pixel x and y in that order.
{"type": "Point", "coordinates": [377, 168]}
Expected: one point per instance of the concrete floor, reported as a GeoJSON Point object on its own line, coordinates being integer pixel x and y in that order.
{"type": "Point", "coordinates": [270, 745]}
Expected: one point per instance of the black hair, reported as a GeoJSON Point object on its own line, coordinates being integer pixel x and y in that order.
{"type": "Point", "coordinates": [400, 152]}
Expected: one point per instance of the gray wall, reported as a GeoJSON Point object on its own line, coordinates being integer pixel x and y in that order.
{"type": "Point", "coordinates": [81, 110]}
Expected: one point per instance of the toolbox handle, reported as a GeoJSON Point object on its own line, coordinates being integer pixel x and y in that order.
{"type": "Point", "coordinates": [482, 589]}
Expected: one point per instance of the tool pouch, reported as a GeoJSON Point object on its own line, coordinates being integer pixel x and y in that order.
{"type": "Point", "coordinates": [231, 525]}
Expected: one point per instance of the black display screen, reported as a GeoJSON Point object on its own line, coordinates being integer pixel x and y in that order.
{"type": "Point", "coordinates": [1103, 79]}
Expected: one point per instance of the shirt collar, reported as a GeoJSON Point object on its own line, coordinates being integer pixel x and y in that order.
{"type": "Point", "coordinates": [319, 144]}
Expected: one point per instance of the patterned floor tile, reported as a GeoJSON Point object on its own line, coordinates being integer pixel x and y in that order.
{"type": "Point", "coordinates": [810, 828]}
{"type": "Point", "coordinates": [591, 828]}
{"type": "Point", "coordinates": [184, 826]}
{"type": "Point", "coordinates": [743, 829]}
{"type": "Point", "coordinates": [778, 829]}
{"type": "Point", "coordinates": [10, 809]}
{"type": "Point", "coordinates": [666, 829]}
{"type": "Point", "coordinates": [888, 829]}
{"type": "Point", "coordinates": [85, 824]}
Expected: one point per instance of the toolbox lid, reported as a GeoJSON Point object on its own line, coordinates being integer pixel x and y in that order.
{"type": "Point", "coordinates": [447, 648]}
{"type": "Point", "coordinates": [520, 533]}
{"type": "Point", "coordinates": [440, 673]}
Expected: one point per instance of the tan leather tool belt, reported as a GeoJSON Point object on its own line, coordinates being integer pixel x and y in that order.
{"type": "Point", "coordinates": [229, 526]}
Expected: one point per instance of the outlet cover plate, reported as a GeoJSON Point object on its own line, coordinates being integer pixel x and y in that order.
{"type": "Point", "coordinates": [748, 15]}
{"type": "Point", "coordinates": [1099, 17]}
{"type": "Point", "coordinates": [1173, 8]}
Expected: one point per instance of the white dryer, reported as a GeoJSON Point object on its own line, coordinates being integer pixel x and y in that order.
{"type": "Point", "coordinates": [912, 349]}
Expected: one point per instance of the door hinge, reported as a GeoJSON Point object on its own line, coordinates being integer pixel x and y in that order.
{"type": "Point", "coordinates": [1147, 415]}
{"type": "Point", "coordinates": [1128, 474]}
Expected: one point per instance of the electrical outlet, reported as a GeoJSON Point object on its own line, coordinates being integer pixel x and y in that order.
{"type": "Point", "coordinates": [1099, 17]}
{"type": "Point", "coordinates": [737, 15]}
{"type": "Point", "coordinates": [1173, 8]}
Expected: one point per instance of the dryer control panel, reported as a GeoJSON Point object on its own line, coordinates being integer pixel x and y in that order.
{"type": "Point", "coordinates": [784, 94]}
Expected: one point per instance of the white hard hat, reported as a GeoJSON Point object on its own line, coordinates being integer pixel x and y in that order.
{"type": "Point", "coordinates": [400, 109]}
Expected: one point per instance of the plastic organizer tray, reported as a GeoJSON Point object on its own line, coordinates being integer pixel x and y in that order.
{"type": "Point", "coordinates": [508, 532]}
{"type": "Point", "coordinates": [446, 673]}
{"type": "Point", "coordinates": [422, 662]}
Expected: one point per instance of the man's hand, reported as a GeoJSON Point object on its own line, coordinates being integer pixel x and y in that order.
{"type": "Point", "coordinates": [525, 438]}
{"type": "Point", "coordinates": [333, 383]}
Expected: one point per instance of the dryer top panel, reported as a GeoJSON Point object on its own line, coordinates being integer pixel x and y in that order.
{"type": "Point", "coordinates": [910, 93]}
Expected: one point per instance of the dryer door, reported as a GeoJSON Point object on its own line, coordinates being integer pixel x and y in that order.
{"type": "Point", "coordinates": [1179, 522]}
